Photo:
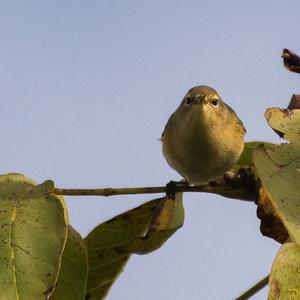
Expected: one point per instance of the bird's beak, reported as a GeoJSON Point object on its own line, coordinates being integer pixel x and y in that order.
{"type": "Point", "coordinates": [201, 99]}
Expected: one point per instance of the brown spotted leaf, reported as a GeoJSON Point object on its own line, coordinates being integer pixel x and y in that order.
{"type": "Point", "coordinates": [71, 283]}
{"type": "Point", "coordinates": [278, 168]}
{"type": "Point", "coordinates": [284, 282]}
{"type": "Point", "coordinates": [285, 122]}
{"type": "Point", "coordinates": [167, 218]}
{"type": "Point", "coordinates": [271, 224]}
{"type": "Point", "coordinates": [140, 230]}
{"type": "Point", "coordinates": [33, 232]}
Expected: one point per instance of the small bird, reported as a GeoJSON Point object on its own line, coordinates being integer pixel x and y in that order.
{"type": "Point", "coordinates": [204, 137]}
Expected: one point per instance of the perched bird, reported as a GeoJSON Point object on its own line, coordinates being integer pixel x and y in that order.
{"type": "Point", "coordinates": [204, 137]}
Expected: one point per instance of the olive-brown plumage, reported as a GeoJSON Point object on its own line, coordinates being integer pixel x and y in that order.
{"type": "Point", "coordinates": [204, 137]}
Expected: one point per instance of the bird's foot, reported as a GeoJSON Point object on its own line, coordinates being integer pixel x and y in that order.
{"type": "Point", "coordinates": [172, 188]}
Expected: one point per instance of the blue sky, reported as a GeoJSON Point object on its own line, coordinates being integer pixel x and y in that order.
{"type": "Point", "coordinates": [87, 87]}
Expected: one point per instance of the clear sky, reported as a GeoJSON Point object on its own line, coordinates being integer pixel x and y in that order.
{"type": "Point", "coordinates": [86, 88]}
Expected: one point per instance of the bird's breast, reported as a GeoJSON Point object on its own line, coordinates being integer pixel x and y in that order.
{"type": "Point", "coordinates": [201, 156]}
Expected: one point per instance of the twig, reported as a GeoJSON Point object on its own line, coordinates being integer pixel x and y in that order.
{"type": "Point", "coordinates": [234, 187]}
{"type": "Point", "coordinates": [109, 191]}
{"type": "Point", "coordinates": [254, 289]}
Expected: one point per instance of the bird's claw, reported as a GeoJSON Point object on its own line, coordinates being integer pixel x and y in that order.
{"type": "Point", "coordinates": [172, 188]}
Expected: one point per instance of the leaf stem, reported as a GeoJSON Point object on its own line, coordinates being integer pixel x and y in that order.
{"type": "Point", "coordinates": [254, 289]}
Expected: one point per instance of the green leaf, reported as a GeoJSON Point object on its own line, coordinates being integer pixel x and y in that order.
{"type": "Point", "coordinates": [71, 283]}
{"type": "Point", "coordinates": [284, 280]}
{"type": "Point", "coordinates": [167, 218]}
{"type": "Point", "coordinates": [104, 258]}
{"type": "Point", "coordinates": [278, 168]}
{"type": "Point", "coordinates": [33, 233]}
{"type": "Point", "coordinates": [285, 122]}
{"type": "Point", "coordinates": [246, 158]}
{"type": "Point", "coordinates": [139, 230]}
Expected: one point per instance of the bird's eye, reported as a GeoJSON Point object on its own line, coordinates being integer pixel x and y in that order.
{"type": "Point", "coordinates": [214, 102]}
{"type": "Point", "coordinates": [188, 101]}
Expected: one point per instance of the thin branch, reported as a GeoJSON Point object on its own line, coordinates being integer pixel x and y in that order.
{"type": "Point", "coordinates": [254, 289]}
{"type": "Point", "coordinates": [233, 186]}
{"type": "Point", "coordinates": [109, 191]}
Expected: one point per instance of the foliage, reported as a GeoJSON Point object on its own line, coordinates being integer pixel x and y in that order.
{"type": "Point", "coordinates": [278, 167]}
{"type": "Point", "coordinates": [285, 276]}
{"type": "Point", "coordinates": [140, 230]}
{"type": "Point", "coordinates": [33, 234]}
{"type": "Point", "coordinates": [71, 282]}
{"type": "Point", "coordinates": [43, 257]}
